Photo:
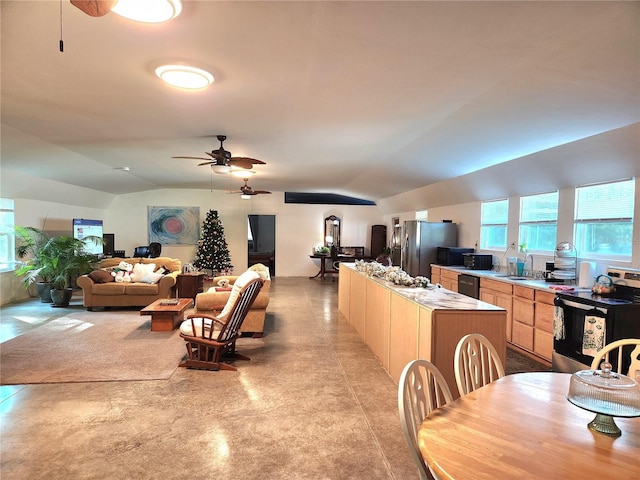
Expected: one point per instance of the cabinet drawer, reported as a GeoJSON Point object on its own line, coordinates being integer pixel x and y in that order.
{"type": "Point", "coordinates": [523, 292]}
{"type": "Point", "coordinates": [545, 297]}
{"type": "Point", "coordinates": [523, 311]}
{"type": "Point", "coordinates": [544, 317]}
{"type": "Point", "coordinates": [496, 285]}
{"type": "Point", "coordinates": [449, 274]}
{"type": "Point", "coordinates": [522, 335]}
{"type": "Point", "coordinates": [543, 344]}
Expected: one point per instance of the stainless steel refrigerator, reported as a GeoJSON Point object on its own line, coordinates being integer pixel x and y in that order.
{"type": "Point", "coordinates": [420, 244]}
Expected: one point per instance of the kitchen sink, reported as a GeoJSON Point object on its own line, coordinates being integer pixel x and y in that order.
{"type": "Point", "coordinates": [510, 277]}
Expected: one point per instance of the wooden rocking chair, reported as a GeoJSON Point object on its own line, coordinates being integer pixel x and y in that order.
{"type": "Point", "coordinates": [210, 338]}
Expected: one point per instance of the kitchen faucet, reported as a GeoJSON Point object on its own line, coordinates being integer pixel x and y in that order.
{"type": "Point", "coordinates": [527, 256]}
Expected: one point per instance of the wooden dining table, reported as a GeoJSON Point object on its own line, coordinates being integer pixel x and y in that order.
{"type": "Point", "coordinates": [522, 426]}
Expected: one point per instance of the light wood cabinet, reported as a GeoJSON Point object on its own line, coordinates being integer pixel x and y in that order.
{"type": "Point", "coordinates": [449, 280]}
{"type": "Point", "coordinates": [499, 294]}
{"type": "Point", "coordinates": [543, 333]}
{"type": "Point", "coordinates": [523, 317]}
{"type": "Point", "coordinates": [435, 274]}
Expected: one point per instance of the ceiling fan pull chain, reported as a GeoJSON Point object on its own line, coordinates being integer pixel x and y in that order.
{"type": "Point", "coordinates": [61, 41]}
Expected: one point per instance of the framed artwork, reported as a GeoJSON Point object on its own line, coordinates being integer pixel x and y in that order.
{"type": "Point", "coordinates": [174, 225]}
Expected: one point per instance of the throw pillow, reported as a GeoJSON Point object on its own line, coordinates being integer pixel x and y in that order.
{"type": "Point", "coordinates": [151, 278]}
{"type": "Point", "coordinates": [238, 285]}
{"type": "Point", "coordinates": [162, 270]}
{"type": "Point", "coordinates": [101, 276]}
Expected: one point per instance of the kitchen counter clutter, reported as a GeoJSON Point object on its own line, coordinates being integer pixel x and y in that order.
{"type": "Point", "coordinates": [529, 304]}
{"type": "Point", "coordinates": [400, 324]}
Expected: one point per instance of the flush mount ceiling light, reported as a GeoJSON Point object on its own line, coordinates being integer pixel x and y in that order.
{"type": "Point", "coordinates": [148, 11]}
{"type": "Point", "coordinates": [182, 76]}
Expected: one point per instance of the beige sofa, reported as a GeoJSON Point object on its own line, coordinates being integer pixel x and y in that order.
{"type": "Point", "coordinates": [213, 300]}
{"type": "Point", "coordinates": [129, 294]}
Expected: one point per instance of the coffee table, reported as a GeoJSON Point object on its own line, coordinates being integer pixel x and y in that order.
{"type": "Point", "coordinates": [164, 318]}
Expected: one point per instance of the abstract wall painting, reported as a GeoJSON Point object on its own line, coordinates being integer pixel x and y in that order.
{"type": "Point", "coordinates": [174, 225]}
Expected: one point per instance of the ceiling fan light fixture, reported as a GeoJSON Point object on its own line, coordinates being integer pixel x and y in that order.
{"type": "Point", "coordinates": [242, 173]}
{"type": "Point", "coordinates": [183, 76]}
{"type": "Point", "coordinates": [148, 11]}
{"type": "Point", "coordinates": [244, 196]}
{"type": "Point", "coordinates": [221, 169]}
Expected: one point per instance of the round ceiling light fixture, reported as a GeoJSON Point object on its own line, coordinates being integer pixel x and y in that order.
{"type": "Point", "coordinates": [183, 76]}
{"type": "Point", "coordinates": [242, 173]}
{"type": "Point", "coordinates": [220, 169]}
{"type": "Point", "coordinates": [148, 11]}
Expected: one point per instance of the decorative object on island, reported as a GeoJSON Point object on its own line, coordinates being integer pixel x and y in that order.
{"type": "Point", "coordinates": [394, 275]}
{"type": "Point", "coordinates": [213, 252]}
{"type": "Point", "coordinates": [55, 260]}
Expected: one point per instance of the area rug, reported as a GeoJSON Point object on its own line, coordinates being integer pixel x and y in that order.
{"type": "Point", "coordinates": [91, 347]}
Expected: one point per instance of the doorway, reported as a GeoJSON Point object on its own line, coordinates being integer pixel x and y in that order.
{"type": "Point", "coordinates": [262, 241]}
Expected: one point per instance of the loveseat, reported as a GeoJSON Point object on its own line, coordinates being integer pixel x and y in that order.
{"type": "Point", "coordinates": [214, 299]}
{"type": "Point", "coordinates": [157, 282]}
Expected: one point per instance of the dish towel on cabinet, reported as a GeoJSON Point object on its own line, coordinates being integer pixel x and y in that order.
{"type": "Point", "coordinates": [594, 334]}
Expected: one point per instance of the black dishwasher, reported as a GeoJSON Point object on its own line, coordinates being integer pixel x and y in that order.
{"type": "Point", "coordinates": [469, 285]}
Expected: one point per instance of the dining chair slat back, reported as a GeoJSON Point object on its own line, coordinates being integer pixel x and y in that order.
{"type": "Point", "coordinates": [476, 363]}
{"type": "Point", "coordinates": [623, 354]}
{"type": "Point", "coordinates": [421, 390]}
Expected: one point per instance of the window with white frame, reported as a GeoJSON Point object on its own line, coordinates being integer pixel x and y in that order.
{"type": "Point", "coordinates": [493, 228]}
{"type": "Point", "coordinates": [603, 225]}
{"type": "Point", "coordinates": [7, 236]}
{"type": "Point", "coordinates": [539, 221]}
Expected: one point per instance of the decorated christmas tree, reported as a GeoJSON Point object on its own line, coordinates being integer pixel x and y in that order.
{"type": "Point", "coordinates": [213, 252]}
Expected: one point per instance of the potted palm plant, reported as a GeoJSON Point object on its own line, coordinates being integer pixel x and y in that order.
{"type": "Point", "coordinates": [30, 241]}
{"type": "Point", "coordinates": [57, 261]}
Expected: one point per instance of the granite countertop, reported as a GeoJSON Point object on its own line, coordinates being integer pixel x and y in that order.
{"type": "Point", "coordinates": [502, 277]}
{"type": "Point", "coordinates": [432, 297]}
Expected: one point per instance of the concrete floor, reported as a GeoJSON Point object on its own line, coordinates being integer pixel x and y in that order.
{"type": "Point", "coordinates": [313, 403]}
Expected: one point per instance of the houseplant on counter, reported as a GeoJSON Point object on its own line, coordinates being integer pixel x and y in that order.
{"type": "Point", "coordinates": [57, 261]}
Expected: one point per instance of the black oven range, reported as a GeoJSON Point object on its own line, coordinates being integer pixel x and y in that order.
{"type": "Point", "coordinates": [584, 322]}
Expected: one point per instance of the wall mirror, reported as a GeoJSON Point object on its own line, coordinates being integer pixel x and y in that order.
{"type": "Point", "coordinates": [332, 231]}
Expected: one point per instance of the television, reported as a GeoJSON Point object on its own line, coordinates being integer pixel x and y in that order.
{"type": "Point", "coordinates": [83, 228]}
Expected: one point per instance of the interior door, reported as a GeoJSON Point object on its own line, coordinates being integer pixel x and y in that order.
{"type": "Point", "coordinates": [262, 241]}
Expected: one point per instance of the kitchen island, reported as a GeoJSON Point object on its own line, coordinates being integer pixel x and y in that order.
{"type": "Point", "coordinates": [400, 324]}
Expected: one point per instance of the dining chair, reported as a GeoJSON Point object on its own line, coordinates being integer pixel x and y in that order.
{"type": "Point", "coordinates": [210, 339]}
{"type": "Point", "coordinates": [476, 363]}
{"type": "Point", "coordinates": [421, 390]}
{"type": "Point", "coordinates": [626, 359]}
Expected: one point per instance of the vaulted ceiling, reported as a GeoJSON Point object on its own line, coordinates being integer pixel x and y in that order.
{"type": "Point", "coordinates": [367, 99]}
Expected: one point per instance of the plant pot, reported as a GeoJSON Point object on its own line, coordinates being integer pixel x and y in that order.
{"type": "Point", "coordinates": [44, 290]}
{"type": "Point", "coordinates": [61, 298]}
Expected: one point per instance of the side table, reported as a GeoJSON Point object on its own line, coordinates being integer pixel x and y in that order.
{"type": "Point", "coordinates": [190, 284]}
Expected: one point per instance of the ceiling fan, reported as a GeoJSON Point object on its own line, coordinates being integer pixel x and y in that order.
{"type": "Point", "coordinates": [223, 162]}
{"type": "Point", "coordinates": [247, 191]}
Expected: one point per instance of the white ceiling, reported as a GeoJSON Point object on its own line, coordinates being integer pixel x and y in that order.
{"type": "Point", "coordinates": [367, 99]}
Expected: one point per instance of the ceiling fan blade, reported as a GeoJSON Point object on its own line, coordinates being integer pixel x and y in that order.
{"type": "Point", "coordinates": [217, 156]}
{"type": "Point", "coordinates": [245, 162]}
{"type": "Point", "coordinates": [260, 191]}
{"type": "Point", "coordinates": [209, 162]}
{"type": "Point", "coordinates": [94, 8]}
{"type": "Point", "coordinates": [194, 158]}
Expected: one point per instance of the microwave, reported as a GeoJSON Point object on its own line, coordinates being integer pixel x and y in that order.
{"type": "Point", "coordinates": [451, 255]}
{"type": "Point", "coordinates": [478, 261]}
